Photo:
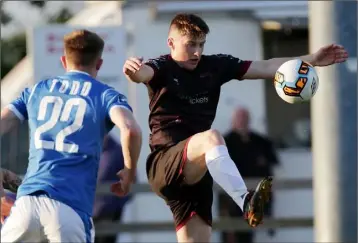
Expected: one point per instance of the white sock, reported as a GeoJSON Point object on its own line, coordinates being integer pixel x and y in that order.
{"type": "Point", "coordinates": [224, 172]}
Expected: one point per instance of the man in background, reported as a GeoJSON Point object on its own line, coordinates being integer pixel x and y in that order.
{"type": "Point", "coordinates": [255, 157]}
{"type": "Point", "coordinates": [109, 207]}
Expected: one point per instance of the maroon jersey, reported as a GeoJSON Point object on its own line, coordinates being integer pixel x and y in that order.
{"type": "Point", "coordinates": [184, 102]}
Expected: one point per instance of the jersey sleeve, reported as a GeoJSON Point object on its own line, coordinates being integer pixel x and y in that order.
{"type": "Point", "coordinates": [231, 67]}
{"type": "Point", "coordinates": [112, 98]}
{"type": "Point", "coordinates": [19, 105]}
{"type": "Point", "coordinates": [158, 65]}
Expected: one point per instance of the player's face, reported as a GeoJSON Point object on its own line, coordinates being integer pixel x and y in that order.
{"type": "Point", "coordinates": [188, 50]}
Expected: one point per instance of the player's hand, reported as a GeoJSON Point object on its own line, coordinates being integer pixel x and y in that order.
{"type": "Point", "coordinates": [132, 65]}
{"type": "Point", "coordinates": [122, 187]}
{"type": "Point", "coordinates": [329, 55]}
{"type": "Point", "coordinates": [7, 202]}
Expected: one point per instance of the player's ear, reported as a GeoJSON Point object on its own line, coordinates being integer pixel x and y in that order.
{"type": "Point", "coordinates": [64, 63]}
{"type": "Point", "coordinates": [170, 43]}
{"type": "Point", "coordinates": [99, 64]}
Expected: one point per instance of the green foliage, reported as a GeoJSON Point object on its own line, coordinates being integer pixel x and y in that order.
{"type": "Point", "coordinates": [62, 17]}
{"type": "Point", "coordinates": [14, 49]}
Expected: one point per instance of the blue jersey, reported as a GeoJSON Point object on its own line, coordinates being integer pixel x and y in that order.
{"type": "Point", "coordinates": [68, 117]}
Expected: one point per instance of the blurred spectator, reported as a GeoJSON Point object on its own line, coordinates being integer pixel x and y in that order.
{"type": "Point", "coordinates": [109, 207]}
{"type": "Point", "coordinates": [255, 157]}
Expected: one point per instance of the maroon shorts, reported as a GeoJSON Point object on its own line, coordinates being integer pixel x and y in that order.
{"type": "Point", "coordinates": [164, 171]}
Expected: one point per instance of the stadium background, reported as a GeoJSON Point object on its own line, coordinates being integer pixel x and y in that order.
{"type": "Point", "coordinates": [246, 29]}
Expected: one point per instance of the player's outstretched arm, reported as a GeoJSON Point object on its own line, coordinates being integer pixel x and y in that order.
{"type": "Point", "coordinates": [131, 137]}
{"type": "Point", "coordinates": [8, 120]}
{"type": "Point", "coordinates": [136, 71]}
{"type": "Point", "coordinates": [325, 56]}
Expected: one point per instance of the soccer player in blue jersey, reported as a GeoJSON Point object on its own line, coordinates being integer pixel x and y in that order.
{"type": "Point", "coordinates": [68, 116]}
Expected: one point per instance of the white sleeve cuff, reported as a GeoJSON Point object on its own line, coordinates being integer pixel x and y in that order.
{"type": "Point", "coordinates": [17, 113]}
{"type": "Point", "coordinates": [120, 106]}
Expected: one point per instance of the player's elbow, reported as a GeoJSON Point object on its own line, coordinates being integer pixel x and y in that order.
{"type": "Point", "coordinates": [125, 121]}
{"type": "Point", "coordinates": [136, 132]}
{"type": "Point", "coordinates": [133, 131]}
{"type": "Point", "coordinates": [133, 78]}
{"type": "Point", "coordinates": [261, 70]}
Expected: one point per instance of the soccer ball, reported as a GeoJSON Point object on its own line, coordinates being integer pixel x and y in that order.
{"type": "Point", "coordinates": [296, 81]}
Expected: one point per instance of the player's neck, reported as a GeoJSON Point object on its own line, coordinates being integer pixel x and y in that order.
{"type": "Point", "coordinates": [83, 70]}
{"type": "Point", "coordinates": [179, 63]}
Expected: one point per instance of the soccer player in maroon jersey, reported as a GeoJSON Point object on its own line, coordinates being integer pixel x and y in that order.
{"type": "Point", "coordinates": [186, 154]}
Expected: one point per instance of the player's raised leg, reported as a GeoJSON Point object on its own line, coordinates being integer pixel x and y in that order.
{"type": "Point", "coordinates": [207, 151]}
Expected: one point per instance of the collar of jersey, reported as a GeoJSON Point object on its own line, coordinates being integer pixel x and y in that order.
{"type": "Point", "coordinates": [78, 71]}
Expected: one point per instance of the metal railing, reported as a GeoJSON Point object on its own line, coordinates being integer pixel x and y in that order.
{"type": "Point", "coordinates": [221, 224]}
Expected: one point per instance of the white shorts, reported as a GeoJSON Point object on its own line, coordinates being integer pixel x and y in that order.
{"type": "Point", "coordinates": [39, 219]}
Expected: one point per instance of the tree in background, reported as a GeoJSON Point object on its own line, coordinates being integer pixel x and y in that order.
{"type": "Point", "coordinates": [14, 49]}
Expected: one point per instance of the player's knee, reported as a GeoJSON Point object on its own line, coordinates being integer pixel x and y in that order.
{"type": "Point", "coordinates": [195, 166]}
{"type": "Point", "coordinates": [213, 138]}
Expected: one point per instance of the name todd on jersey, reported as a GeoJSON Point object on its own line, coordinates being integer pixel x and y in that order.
{"type": "Point", "coordinates": [71, 87]}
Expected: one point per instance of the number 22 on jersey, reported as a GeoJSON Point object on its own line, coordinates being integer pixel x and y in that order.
{"type": "Point", "coordinates": [62, 115]}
